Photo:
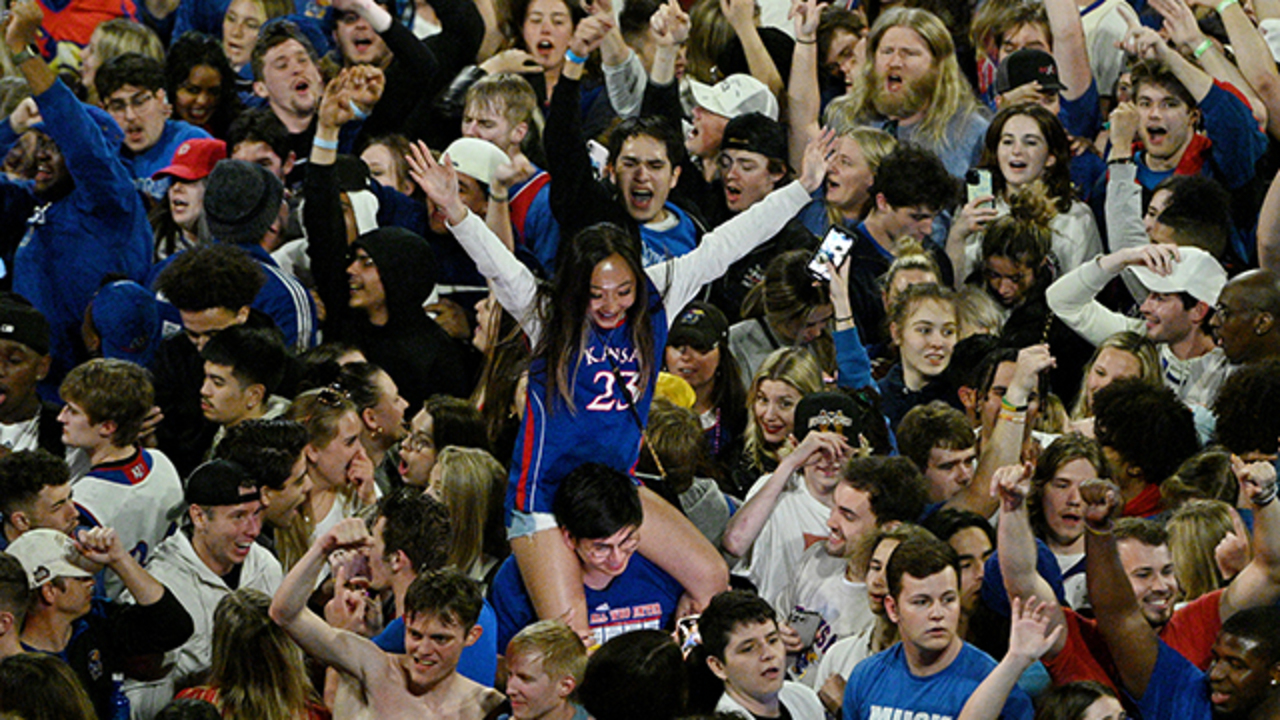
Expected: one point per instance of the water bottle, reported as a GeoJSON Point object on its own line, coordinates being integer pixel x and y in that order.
{"type": "Point", "coordinates": [120, 709]}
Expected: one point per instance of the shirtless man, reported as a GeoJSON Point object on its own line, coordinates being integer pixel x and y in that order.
{"type": "Point", "coordinates": [440, 620]}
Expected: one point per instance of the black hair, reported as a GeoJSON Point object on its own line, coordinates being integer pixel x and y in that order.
{"type": "Point", "coordinates": [455, 422]}
{"type": "Point", "coordinates": [256, 356]}
{"type": "Point", "coordinates": [986, 373]}
{"type": "Point", "coordinates": [1071, 701]}
{"type": "Point", "coordinates": [15, 593]}
{"type": "Point", "coordinates": [134, 69]}
{"type": "Point", "coordinates": [1245, 408]}
{"type": "Point", "coordinates": [945, 523]}
{"type": "Point", "coordinates": [259, 125]}
{"type": "Point", "coordinates": [635, 676]}
{"type": "Point", "coordinates": [36, 686]}
{"type": "Point", "coordinates": [190, 51]}
{"type": "Point", "coordinates": [267, 448]}
{"type": "Point", "coordinates": [966, 360]}
{"type": "Point", "coordinates": [653, 126]}
{"type": "Point", "coordinates": [1147, 425]}
{"type": "Point", "coordinates": [633, 21]}
{"type": "Point", "coordinates": [896, 490]}
{"type": "Point", "coordinates": [1198, 212]}
{"type": "Point", "coordinates": [24, 473]}
{"type": "Point", "coordinates": [210, 276]}
{"type": "Point", "coordinates": [448, 595]}
{"type": "Point", "coordinates": [1262, 626]}
{"type": "Point", "coordinates": [919, 558]}
{"type": "Point", "coordinates": [595, 501]}
{"type": "Point", "coordinates": [417, 524]}
{"type": "Point", "coordinates": [727, 611]}
{"type": "Point", "coordinates": [911, 176]}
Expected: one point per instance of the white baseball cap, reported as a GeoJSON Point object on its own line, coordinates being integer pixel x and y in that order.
{"type": "Point", "coordinates": [1198, 274]}
{"type": "Point", "coordinates": [477, 158]}
{"type": "Point", "coordinates": [735, 95]}
{"type": "Point", "coordinates": [46, 554]}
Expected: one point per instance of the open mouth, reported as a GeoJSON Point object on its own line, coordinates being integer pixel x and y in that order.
{"type": "Point", "coordinates": [1156, 135]}
{"type": "Point", "coordinates": [893, 83]}
{"type": "Point", "coordinates": [544, 47]}
{"type": "Point", "coordinates": [302, 86]}
{"type": "Point", "coordinates": [732, 194]}
{"type": "Point", "coordinates": [641, 199]}
{"type": "Point", "coordinates": [362, 44]}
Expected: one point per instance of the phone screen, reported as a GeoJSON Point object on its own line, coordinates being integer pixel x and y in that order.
{"type": "Point", "coordinates": [834, 249]}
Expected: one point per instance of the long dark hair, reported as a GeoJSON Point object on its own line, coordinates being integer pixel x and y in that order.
{"type": "Point", "coordinates": [1057, 177]}
{"type": "Point", "coordinates": [191, 51]}
{"type": "Point", "coordinates": [566, 328]}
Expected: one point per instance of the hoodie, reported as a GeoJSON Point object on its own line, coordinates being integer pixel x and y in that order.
{"type": "Point", "coordinates": [176, 566]}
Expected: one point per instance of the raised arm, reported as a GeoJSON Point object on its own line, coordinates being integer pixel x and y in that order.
{"type": "Point", "coordinates": [741, 15]}
{"type": "Point", "coordinates": [1004, 446]}
{"type": "Point", "coordinates": [804, 99]}
{"type": "Point", "coordinates": [1258, 584]}
{"type": "Point", "coordinates": [1269, 228]}
{"type": "Point", "coordinates": [1183, 29]}
{"type": "Point", "coordinates": [684, 276]}
{"type": "Point", "coordinates": [1124, 194]}
{"type": "Point", "coordinates": [1016, 548]}
{"type": "Point", "coordinates": [344, 650]}
{"type": "Point", "coordinates": [323, 221]}
{"type": "Point", "coordinates": [513, 283]}
{"type": "Point", "coordinates": [1133, 642]}
{"type": "Point", "coordinates": [1072, 297]}
{"type": "Point", "coordinates": [1031, 635]}
{"type": "Point", "coordinates": [852, 360]}
{"type": "Point", "coordinates": [101, 545]}
{"type": "Point", "coordinates": [19, 34]}
{"type": "Point", "coordinates": [746, 524]}
{"type": "Point", "coordinates": [1069, 48]}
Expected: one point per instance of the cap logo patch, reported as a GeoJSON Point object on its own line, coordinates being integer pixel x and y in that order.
{"type": "Point", "coordinates": [41, 574]}
{"type": "Point", "coordinates": [830, 421]}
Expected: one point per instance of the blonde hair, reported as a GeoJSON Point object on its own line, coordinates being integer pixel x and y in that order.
{"type": "Point", "coordinates": [120, 36]}
{"type": "Point", "coordinates": [874, 143]}
{"type": "Point", "coordinates": [709, 32]}
{"type": "Point", "coordinates": [794, 366]}
{"type": "Point", "coordinates": [977, 312]}
{"type": "Point", "coordinates": [1195, 529]}
{"type": "Point", "coordinates": [951, 96]}
{"type": "Point", "coordinates": [257, 669]}
{"type": "Point", "coordinates": [1136, 345]}
{"type": "Point", "coordinates": [471, 485]}
{"type": "Point", "coordinates": [560, 647]}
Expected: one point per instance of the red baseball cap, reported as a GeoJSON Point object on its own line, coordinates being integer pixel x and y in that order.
{"type": "Point", "coordinates": [194, 159]}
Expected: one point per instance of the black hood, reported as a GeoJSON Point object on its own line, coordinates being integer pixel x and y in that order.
{"type": "Point", "coordinates": [406, 265]}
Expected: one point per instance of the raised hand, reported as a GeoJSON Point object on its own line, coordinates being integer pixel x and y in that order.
{"type": "Point", "coordinates": [1032, 360]}
{"type": "Point", "coordinates": [1102, 504]}
{"type": "Point", "coordinates": [365, 85]}
{"type": "Point", "coordinates": [741, 14]}
{"type": "Point", "coordinates": [590, 33]}
{"type": "Point", "coordinates": [335, 106]}
{"type": "Point", "coordinates": [1124, 126]}
{"type": "Point", "coordinates": [511, 61]}
{"type": "Point", "coordinates": [439, 180]}
{"type": "Point", "coordinates": [1179, 23]}
{"type": "Point", "coordinates": [100, 546]}
{"type": "Point", "coordinates": [1012, 484]}
{"type": "Point", "coordinates": [670, 24]}
{"type": "Point", "coordinates": [806, 14]}
{"type": "Point", "coordinates": [24, 116]}
{"type": "Point", "coordinates": [1257, 480]}
{"type": "Point", "coordinates": [817, 156]}
{"type": "Point", "coordinates": [23, 24]}
{"type": "Point", "coordinates": [1028, 632]}
{"type": "Point", "coordinates": [348, 534]}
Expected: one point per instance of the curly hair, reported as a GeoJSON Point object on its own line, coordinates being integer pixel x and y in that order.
{"type": "Point", "coordinates": [1147, 426]}
{"type": "Point", "coordinates": [211, 276]}
{"type": "Point", "coordinates": [1246, 409]}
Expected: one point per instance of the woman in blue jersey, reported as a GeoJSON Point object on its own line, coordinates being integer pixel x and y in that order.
{"type": "Point", "coordinates": [597, 331]}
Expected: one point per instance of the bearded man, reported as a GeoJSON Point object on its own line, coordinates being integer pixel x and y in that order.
{"type": "Point", "coordinates": [915, 91]}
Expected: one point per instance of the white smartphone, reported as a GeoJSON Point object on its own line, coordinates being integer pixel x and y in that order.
{"type": "Point", "coordinates": [978, 182]}
{"type": "Point", "coordinates": [834, 249]}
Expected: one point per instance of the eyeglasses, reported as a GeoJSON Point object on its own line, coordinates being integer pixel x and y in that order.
{"type": "Point", "coordinates": [599, 551]}
{"type": "Point", "coordinates": [137, 102]}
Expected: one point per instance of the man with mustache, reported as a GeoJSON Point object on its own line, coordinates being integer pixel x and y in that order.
{"type": "Point", "coordinates": [913, 88]}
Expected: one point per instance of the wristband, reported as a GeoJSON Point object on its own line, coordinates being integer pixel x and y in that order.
{"type": "Point", "coordinates": [325, 144]}
{"type": "Point", "coordinates": [1266, 496]}
{"type": "Point", "coordinates": [1226, 4]}
{"type": "Point", "coordinates": [1204, 46]}
{"type": "Point", "coordinates": [1017, 418]}
{"type": "Point", "coordinates": [815, 40]}
{"type": "Point", "coordinates": [23, 55]}
{"type": "Point", "coordinates": [1122, 161]}
{"type": "Point", "coordinates": [355, 110]}
{"type": "Point", "coordinates": [848, 318]}
{"type": "Point", "coordinates": [499, 198]}
{"type": "Point", "coordinates": [1089, 527]}
{"type": "Point", "coordinates": [574, 57]}
{"type": "Point", "coordinates": [1004, 403]}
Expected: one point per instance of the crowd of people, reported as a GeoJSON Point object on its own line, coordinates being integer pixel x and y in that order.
{"type": "Point", "coordinates": [750, 358]}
